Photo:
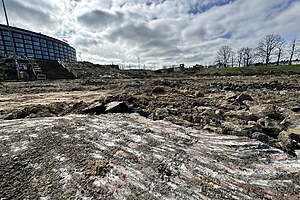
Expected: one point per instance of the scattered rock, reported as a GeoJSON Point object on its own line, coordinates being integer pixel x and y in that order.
{"type": "Point", "coordinates": [297, 152]}
{"type": "Point", "coordinates": [241, 114]}
{"type": "Point", "coordinates": [294, 134]}
{"type": "Point", "coordinates": [268, 110]}
{"type": "Point", "coordinates": [228, 128]}
{"type": "Point", "coordinates": [269, 127]}
{"type": "Point", "coordinates": [199, 94]}
{"type": "Point", "coordinates": [108, 98]}
{"type": "Point", "coordinates": [260, 137]}
{"type": "Point", "coordinates": [244, 97]}
{"type": "Point", "coordinates": [117, 107]}
{"type": "Point", "coordinates": [16, 115]}
{"type": "Point", "coordinates": [287, 142]}
{"type": "Point", "coordinates": [158, 90]}
{"type": "Point", "coordinates": [213, 129]}
{"type": "Point", "coordinates": [296, 109]}
{"type": "Point", "coordinates": [96, 108]}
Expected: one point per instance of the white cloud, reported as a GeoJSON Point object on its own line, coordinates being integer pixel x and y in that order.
{"type": "Point", "coordinates": [159, 31]}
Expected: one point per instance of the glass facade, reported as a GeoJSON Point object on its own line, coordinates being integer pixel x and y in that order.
{"type": "Point", "coordinates": [34, 45]}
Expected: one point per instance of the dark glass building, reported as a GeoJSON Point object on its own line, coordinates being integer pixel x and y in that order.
{"type": "Point", "coordinates": [34, 45]}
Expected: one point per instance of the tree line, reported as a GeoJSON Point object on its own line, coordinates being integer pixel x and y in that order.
{"type": "Point", "coordinates": [272, 49]}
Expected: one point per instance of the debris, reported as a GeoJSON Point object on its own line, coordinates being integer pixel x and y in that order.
{"type": "Point", "coordinates": [260, 137]}
{"type": "Point", "coordinates": [244, 97]}
{"type": "Point", "coordinates": [158, 90]}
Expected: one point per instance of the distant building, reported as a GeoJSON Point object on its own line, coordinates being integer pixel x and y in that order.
{"type": "Point", "coordinates": [33, 45]}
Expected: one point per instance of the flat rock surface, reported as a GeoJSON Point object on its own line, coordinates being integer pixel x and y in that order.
{"type": "Point", "coordinates": [126, 156]}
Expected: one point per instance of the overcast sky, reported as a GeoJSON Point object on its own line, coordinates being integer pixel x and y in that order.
{"type": "Point", "coordinates": [160, 32]}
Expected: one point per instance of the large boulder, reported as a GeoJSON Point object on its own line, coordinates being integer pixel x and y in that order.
{"type": "Point", "coordinates": [117, 107]}
{"type": "Point", "coordinates": [96, 108]}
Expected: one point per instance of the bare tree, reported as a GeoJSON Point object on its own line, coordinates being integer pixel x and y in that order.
{"type": "Point", "coordinates": [267, 45]}
{"type": "Point", "coordinates": [240, 57]}
{"type": "Point", "coordinates": [248, 55]}
{"type": "Point", "coordinates": [279, 50]}
{"type": "Point", "coordinates": [232, 55]}
{"type": "Point", "coordinates": [245, 56]}
{"type": "Point", "coordinates": [224, 55]}
{"type": "Point", "coordinates": [293, 45]}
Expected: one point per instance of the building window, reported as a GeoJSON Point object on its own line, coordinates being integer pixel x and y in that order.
{"type": "Point", "coordinates": [20, 50]}
{"type": "Point", "coordinates": [27, 37]}
{"type": "Point", "coordinates": [36, 43]}
{"type": "Point", "coordinates": [18, 40]}
{"type": "Point", "coordinates": [17, 35]}
{"type": "Point", "coordinates": [30, 55]}
{"type": "Point", "coordinates": [9, 48]}
{"type": "Point", "coordinates": [7, 38]}
{"type": "Point", "coordinates": [28, 42]}
{"type": "Point", "coordinates": [5, 33]}
{"type": "Point", "coordinates": [39, 56]}
{"type": "Point", "coordinates": [36, 39]}
{"type": "Point", "coordinates": [37, 48]}
{"type": "Point", "coordinates": [9, 52]}
{"type": "Point", "coordinates": [29, 51]}
{"type": "Point", "coordinates": [21, 53]}
{"type": "Point", "coordinates": [28, 46]}
{"type": "Point", "coordinates": [19, 45]}
{"type": "Point", "coordinates": [43, 45]}
{"type": "Point", "coordinates": [38, 52]}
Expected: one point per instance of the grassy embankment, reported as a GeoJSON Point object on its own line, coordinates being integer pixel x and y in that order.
{"type": "Point", "coordinates": [263, 67]}
{"type": "Point", "coordinates": [248, 71]}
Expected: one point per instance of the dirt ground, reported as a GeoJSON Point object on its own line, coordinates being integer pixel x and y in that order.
{"type": "Point", "coordinates": [126, 156]}
{"type": "Point", "coordinates": [262, 107]}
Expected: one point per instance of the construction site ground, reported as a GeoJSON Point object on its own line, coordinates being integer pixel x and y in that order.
{"type": "Point", "coordinates": [182, 137]}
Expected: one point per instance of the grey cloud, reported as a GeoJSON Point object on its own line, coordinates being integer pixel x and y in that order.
{"type": "Point", "coordinates": [135, 33]}
{"type": "Point", "coordinates": [99, 19]}
{"type": "Point", "coordinates": [163, 32]}
{"type": "Point", "coordinates": [26, 14]}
